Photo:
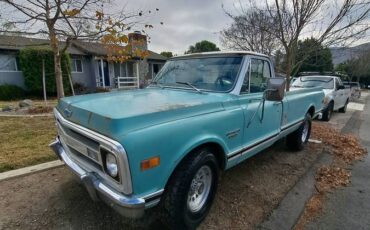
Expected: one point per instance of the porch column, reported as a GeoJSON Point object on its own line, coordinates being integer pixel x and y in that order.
{"type": "Point", "coordinates": [102, 71]}
{"type": "Point", "coordinates": [137, 74]}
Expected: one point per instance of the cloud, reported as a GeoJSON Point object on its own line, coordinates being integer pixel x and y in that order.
{"type": "Point", "coordinates": [185, 22]}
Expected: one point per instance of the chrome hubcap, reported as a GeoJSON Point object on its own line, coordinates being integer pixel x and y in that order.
{"type": "Point", "coordinates": [305, 131]}
{"type": "Point", "coordinates": [199, 189]}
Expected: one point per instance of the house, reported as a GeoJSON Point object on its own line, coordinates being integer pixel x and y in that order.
{"type": "Point", "coordinates": [90, 67]}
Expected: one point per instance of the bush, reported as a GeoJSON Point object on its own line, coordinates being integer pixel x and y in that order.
{"type": "Point", "coordinates": [11, 92]}
{"type": "Point", "coordinates": [30, 60]}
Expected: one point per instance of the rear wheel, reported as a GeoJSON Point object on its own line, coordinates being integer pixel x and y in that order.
{"type": "Point", "coordinates": [328, 112]}
{"type": "Point", "coordinates": [297, 139]}
{"type": "Point", "coordinates": [344, 108]}
{"type": "Point", "coordinates": [191, 190]}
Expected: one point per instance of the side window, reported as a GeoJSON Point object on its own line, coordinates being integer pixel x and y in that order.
{"type": "Point", "coordinates": [260, 71]}
{"type": "Point", "coordinates": [336, 84]}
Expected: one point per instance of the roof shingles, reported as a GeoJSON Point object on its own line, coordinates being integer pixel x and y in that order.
{"type": "Point", "coordinates": [77, 47]}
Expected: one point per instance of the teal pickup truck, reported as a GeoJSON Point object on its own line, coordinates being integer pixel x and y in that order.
{"type": "Point", "coordinates": [166, 144]}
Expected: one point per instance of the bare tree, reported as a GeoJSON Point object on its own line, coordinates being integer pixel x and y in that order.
{"type": "Point", "coordinates": [329, 22]}
{"type": "Point", "coordinates": [68, 20]}
{"type": "Point", "coordinates": [250, 31]}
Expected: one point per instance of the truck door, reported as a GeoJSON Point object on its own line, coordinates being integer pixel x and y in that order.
{"type": "Point", "coordinates": [260, 127]}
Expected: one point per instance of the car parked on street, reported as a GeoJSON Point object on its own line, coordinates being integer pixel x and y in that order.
{"type": "Point", "coordinates": [167, 143]}
{"type": "Point", "coordinates": [336, 95]}
{"type": "Point", "coordinates": [354, 88]}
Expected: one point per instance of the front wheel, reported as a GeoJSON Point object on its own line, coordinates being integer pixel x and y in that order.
{"type": "Point", "coordinates": [191, 190]}
{"type": "Point", "coordinates": [344, 108]}
{"type": "Point", "coordinates": [296, 140]}
{"type": "Point", "coordinates": [328, 112]}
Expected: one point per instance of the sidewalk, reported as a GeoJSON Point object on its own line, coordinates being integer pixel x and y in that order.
{"type": "Point", "coordinates": [349, 208]}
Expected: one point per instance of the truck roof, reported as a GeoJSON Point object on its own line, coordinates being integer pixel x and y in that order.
{"type": "Point", "coordinates": [320, 76]}
{"type": "Point", "coordinates": [220, 53]}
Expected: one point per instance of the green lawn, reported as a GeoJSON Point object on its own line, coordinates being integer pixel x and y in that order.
{"type": "Point", "coordinates": [24, 141]}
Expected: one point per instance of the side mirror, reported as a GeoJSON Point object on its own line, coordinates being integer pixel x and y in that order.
{"type": "Point", "coordinates": [275, 89]}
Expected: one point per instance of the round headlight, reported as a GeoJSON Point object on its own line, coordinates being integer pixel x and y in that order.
{"type": "Point", "coordinates": [111, 164]}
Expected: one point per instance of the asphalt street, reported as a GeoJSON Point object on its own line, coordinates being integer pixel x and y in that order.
{"type": "Point", "coordinates": [345, 209]}
{"type": "Point", "coordinates": [349, 208]}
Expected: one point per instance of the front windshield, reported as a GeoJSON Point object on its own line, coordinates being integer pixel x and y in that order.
{"type": "Point", "coordinates": [209, 74]}
{"type": "Point", "coordinates": [309, 82]}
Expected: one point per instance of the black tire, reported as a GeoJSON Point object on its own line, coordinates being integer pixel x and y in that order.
{"type": "Point", "coordinates": [328, 112]}
{"type": "Point", "coordinates": [296, 140]}
{"type": "Point", "coordinates": [178, 214]}
{"type": "Point", "coordinates": [344, 108]}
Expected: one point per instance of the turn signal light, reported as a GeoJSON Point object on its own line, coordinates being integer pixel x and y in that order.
{"type": "Point", "coordinates": [149, 163]}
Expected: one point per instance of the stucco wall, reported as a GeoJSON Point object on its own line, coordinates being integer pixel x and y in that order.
{"type": "Point", "coordinates": [87, 77]}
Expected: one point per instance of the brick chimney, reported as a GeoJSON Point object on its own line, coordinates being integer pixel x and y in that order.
{"type": "Point", "coordinates": [137, 41]}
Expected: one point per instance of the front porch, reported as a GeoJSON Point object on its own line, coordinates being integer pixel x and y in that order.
{"type": "Point", "coordinates": [110, 75]}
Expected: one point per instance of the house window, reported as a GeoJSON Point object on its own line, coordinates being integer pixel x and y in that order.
{"type": "Point", "coordinates": [76, 66]}
{"type": "Point", "coordinates": [8, 63]}
{"type": "Point", "coordinates": [125, 69]}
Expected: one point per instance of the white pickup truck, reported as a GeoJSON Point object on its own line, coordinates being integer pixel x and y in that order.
{"type": "Point", "coordinates": [336, 95]}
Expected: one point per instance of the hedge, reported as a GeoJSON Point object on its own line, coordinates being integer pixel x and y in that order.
{"type": "Point", "coordinates": [11, 92]}
{"type": "Point", "coordinates": [30, 60]}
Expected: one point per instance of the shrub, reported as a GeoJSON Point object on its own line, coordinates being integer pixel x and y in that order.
{"type": "Point", "coordinates": [40, 110]}
{"type": "Point", "coordinates": [30, 60]}
{"type": "Point", "coordinates": [11, 92]}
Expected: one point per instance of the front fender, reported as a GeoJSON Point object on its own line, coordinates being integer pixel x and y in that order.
{"type": "Point", "coordinates": [172, 141]}
{"type": "Point", "coordinates": [199, 141]}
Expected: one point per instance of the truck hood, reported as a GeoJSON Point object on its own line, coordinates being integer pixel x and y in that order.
{"type": "Point", "coordinates": [117, 113]}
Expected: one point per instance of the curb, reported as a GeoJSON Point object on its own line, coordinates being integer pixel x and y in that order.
{"type": "Point", "coordinates": [30, 170]}
{"type": "Point", "coordinates": [290, 208]}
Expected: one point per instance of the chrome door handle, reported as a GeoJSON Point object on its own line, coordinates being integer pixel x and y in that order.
{"type": "Point", "coordinates": [277, 103]}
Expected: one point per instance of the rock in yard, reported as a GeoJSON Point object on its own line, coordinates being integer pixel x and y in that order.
{"type": "Point", "coordinates": [7, 108]}
{"type": "Point", "coordinates": [25, 103]}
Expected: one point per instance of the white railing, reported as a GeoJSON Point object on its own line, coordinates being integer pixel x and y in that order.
{"type": "Point", "coordinates": [127, 82]}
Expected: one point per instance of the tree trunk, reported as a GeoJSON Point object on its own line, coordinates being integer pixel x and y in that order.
{"type": "Point", "coordinates": [288, 69]}
{"type": "Point", "coordinates": [58, 74]}
{"type": "Point", "coordinates": [57, 62]}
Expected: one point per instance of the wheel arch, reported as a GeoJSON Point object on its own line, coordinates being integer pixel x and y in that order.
{"type": "Point", "coordinates": [217, 148]}
{"type": "Point", "coordinates": [311, 110]}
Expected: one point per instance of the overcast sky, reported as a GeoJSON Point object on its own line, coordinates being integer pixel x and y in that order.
{"type": "Point", "coordinates": [185, 22]}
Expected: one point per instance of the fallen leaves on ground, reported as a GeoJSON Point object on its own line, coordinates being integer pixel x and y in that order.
{"type": "Point", "coordinates": [328, 178]}
{"type": "Point", "coordinates": [345, 147]}
{"type": "Point", "coordinates": [40, 110]}
{"type": "Point", "coordinates": [312, 208]}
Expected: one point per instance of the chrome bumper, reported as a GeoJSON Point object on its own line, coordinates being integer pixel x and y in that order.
{"type": "Point", "coordinates": [126, 206]}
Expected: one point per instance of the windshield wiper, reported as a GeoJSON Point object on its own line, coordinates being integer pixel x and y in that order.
{"type": "Point", "coordinates": [157, 84]}
{"type": "Point", "coordinates": [189, 84]}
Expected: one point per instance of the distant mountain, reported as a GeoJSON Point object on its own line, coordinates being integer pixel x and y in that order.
{"type": "Point", "coordinates": [342, 54]}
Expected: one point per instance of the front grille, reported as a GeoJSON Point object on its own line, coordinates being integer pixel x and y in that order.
{"type": "Point", "coordinates": [87, 149]}
{"type": "Point", "coordinates": [84, 145]}
{"type": "Point", "coordinates": [82, 157]}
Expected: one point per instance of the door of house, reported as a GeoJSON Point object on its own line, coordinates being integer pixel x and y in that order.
{"type": "Point", "coordinates": [104, 72]}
